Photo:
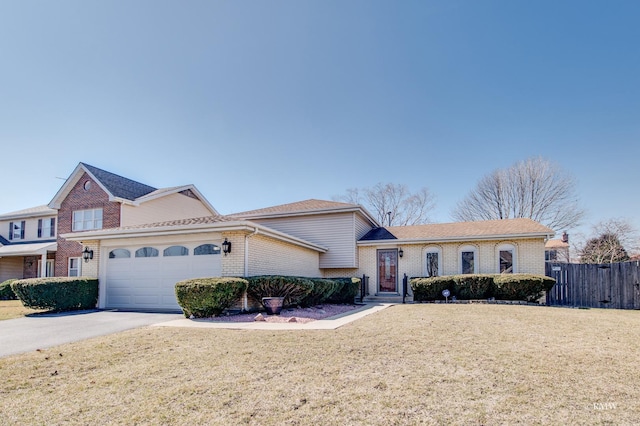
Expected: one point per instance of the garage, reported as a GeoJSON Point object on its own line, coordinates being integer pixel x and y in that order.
{"type": "Point", "coordinates": [144, 277]}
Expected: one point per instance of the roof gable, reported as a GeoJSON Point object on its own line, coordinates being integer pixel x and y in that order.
{"type": "Point", "coordinates": [116, 186]}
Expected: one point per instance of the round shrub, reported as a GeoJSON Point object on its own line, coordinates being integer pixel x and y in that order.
{"type": "Point", "coordinates": [5, 291]}
{"type": "Point", "coordinates": [57, 293]}
{"type": "Point", "coordinates": [346, 290]}
{"type": "Point", "coordinates": [427, 289]}
{"type": "Point", "coordinates": [521, 286]}
{"type": "Point", "coordinates": [293, 289]}
{"type": "Point", "coordinates": [207, 297]}
{"type": "Point", "coordinates": [322, 289]}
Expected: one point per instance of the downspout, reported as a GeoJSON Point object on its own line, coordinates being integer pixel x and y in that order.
{"type": "Point", "coordinates": [245, 299]}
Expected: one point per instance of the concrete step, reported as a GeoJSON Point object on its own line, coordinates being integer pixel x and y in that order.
{"type": "Point", "coordinates": [387, 299]}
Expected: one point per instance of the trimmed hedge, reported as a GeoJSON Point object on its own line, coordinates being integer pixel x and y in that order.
{"type": "Point", "coordinates": [5, 291]}
{"type": "Point", "coordinates": [57, 293]}
{"type": "Point", "coordinates": [323, 288]}
{"type": "Point", "coordinates": [431, 288]}
{"type": "Point", "coordinates": [206, 297]}
{"type": "Point", "coordinates": [522, 286]}
{"type": "Point", "coordinates": [293, 289]}
{"type": "Point", "coordinates": [478, 286]}
{"type": "Point", "coordinates": [346, 291]}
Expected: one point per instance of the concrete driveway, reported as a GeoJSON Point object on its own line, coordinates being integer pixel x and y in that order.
{"type": "Point", "coordinates": [45, 330]}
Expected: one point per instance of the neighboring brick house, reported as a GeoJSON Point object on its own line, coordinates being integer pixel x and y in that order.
{"type": "Point", "coordinates": [27, 242]}
{"type": "Point", "coordinates": [140, 240]}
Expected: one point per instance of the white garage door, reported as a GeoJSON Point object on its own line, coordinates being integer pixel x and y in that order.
{"type": "Point", "coordinates": [145, 277]}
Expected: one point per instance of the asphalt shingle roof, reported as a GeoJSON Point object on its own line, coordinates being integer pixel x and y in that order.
{"type": "Point", "coordinates": [305, 206]}
{"type": "Point", "coordinates": [378, 234]}
{"type": "Point", "coordinates": [35, 211]}
{"type": "Point", "coordinates": [462, 230]}
{"type": "Point", "coordinates": [119, 186]}
{"type": "Point", "coordinates": [481, 228]}
{"type": "Point", "coordinates": [169, 223]}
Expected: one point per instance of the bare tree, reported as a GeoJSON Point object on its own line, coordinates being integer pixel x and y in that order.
{"type": "Point", "coordinates": [393, 204]}
{"type": "Point", "coordinates": [612, 239]}
{"type": "Point", "coordinates": [535, 188]}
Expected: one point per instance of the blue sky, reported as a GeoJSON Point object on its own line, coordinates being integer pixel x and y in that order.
{"type": "Point", "coordinates": [260, 103]}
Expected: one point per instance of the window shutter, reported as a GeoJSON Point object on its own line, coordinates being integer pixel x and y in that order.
{"type": "Point", "coordinates": [11, 230]}
{"type": "Point", "coordinates": [53, 227]}
{"type": "Point", "coordinates": [22, 230]}
{"type": "Point", "coordinates": [39, 228]}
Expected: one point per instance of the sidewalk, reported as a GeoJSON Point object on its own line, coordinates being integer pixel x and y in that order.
{"type": "Point", "coordinates": [331, 323]}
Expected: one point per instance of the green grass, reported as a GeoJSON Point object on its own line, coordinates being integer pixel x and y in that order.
{"type": "Point", "coordinates": [10, 309]}
{"type": "Point", "coordinates": [409, 364]}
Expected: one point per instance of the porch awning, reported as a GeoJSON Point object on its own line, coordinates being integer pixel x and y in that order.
{"type": "Point", "coordinates": [29, 249]}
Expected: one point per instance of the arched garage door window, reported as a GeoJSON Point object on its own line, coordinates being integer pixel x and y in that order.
{"type": "Point", "coordinates": [206, 249]}
{"type": "Point", "coordinates": [176, 251]}
{"type": "Point", "coordinates": [119, 254]}
{"type": "Point", "coordinates": [147, 252]}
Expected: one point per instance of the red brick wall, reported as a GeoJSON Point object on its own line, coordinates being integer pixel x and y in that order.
{"type": "Point", "coordinates": [79, 199]}
{"type": "Point", "coordinates": [30, 267]}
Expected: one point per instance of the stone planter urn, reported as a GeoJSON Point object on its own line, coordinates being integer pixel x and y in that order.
{"type": "Point", "coordinates": [273, 305]}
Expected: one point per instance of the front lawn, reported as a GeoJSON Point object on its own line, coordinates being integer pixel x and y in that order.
{"type": "Point", "coordinates": [409, 364]}
{"type": "Point", "coordinates": [14, 309]}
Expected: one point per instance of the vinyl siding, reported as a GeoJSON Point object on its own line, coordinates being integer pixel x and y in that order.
{"type": "Point", "coordinates": [336, 231]}
{"type": "Point", "coordinates": [31, 229]}
{"type": "Point", "coordinates": [10, 267]}
{"type": "Point", "coordinates": [170, 207]}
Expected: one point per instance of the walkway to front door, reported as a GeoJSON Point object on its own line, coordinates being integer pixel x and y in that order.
{"type": "Point", "coordinates": [388, 271]}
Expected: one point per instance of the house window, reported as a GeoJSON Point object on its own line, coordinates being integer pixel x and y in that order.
{"type": "Point", "coordinates": [119, 254]}
{"type": "Point", "coordinates": [176, 251]}
{"type": "Point", "coordinates": [432, 265]}
{"type": "Point", "coordinates": [74, 267]}
{"type": "Point", "coordinates": [506, 258]}
{"type": "Point", "coordinates": [49, 268]}
{"type": "Point", "coordinates": [205, 249]}
{"type": "Point", "coordinates": [47, 228]}
{"type": "Point", "coordinates": [16, 230]}
{"type": "Point", "coordinates": [468, 260]}
{"type": "Point", "coordinates": [147, 252]}
{"type": "Point", "coordinates": [84, 220]}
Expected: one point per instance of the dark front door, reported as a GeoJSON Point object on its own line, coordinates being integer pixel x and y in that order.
{"type": "Point", "coordinates": [388, 271]}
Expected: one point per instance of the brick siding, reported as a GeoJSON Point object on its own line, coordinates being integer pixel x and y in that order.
{"type": "Point", "coordinates": [79, 199]}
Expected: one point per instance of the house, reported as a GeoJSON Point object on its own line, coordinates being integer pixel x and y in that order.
{"type": "Point", "coordinates": [557, 249]}
{"type": "Point", "coordinates": [140, 240]}
{"type": "Point", "coordinates": [27, 242]}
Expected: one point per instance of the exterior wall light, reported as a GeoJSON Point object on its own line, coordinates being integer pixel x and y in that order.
{"type": "Point", "coordinates": [226, 247]}
{"type": "Point", "coordinates": [400, 252]}
{"type": "Point", "coordinates": [87, 254]}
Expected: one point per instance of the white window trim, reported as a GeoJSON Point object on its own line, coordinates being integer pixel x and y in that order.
{"type": "Point", "coordinates": [514, 250]}
{"type": "Point", "coordinates": [79, 259]}
{"type": "Point", "coordinates": [468, 248]}
{"type": "Point", "coordinates": [432, 249]}
{"type": "Point", "coordinates": [83, 221]}
{"type": "Point", "coordinates": [50, 265]}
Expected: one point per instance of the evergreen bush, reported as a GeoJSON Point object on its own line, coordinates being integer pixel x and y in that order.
{"type": "Point", "coordinates": [5, 291]}
{"type": "Point", "coordinates": [57, 293]}
{"type": "Point", "coordinates": [206, 297]}
{"type": "Point", "coordinates": [292, 289]}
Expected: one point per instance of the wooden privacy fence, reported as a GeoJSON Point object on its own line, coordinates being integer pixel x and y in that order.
{"type": "Point", "coordinates": [611, 285]}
